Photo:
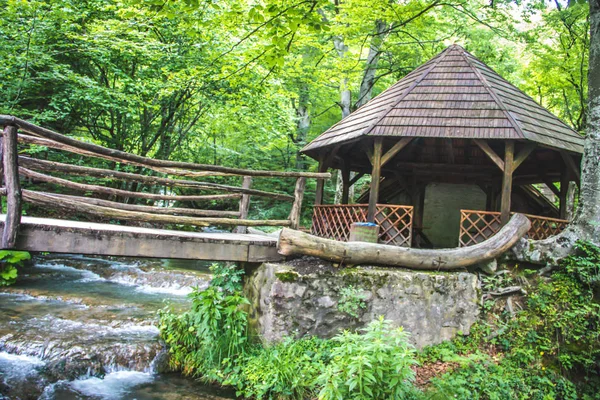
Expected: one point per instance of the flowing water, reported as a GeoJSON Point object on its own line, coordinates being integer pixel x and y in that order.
{"type": "Point", "coordinates": [75, 327]}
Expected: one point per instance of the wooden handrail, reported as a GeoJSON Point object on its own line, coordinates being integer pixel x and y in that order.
{"type": "Point", "coordinates": [125, 157]}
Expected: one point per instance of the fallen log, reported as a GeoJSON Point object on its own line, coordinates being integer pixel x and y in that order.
{"type": "Point", "coordinates": [293, 242]}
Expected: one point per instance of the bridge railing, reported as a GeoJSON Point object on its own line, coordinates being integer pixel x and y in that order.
{"type": "Point", "coordinates": [14, 165]}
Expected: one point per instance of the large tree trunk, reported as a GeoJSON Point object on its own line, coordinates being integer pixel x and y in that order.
{"type": "Point", "coordinates": [368, 81]}
{"type": "Point", "coordinates": [586, 224]}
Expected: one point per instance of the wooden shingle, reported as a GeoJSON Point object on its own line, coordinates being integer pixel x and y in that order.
{"type": "Point", "coordinates": [453, 95]}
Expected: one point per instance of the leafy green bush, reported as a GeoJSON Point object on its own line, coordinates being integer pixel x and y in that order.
{"type": "Point", "coordinates": [285, 370]}
{"type": "Point", "coordinates": [9, 260]}
{"type": "Point", "coordinates": [375, 365]}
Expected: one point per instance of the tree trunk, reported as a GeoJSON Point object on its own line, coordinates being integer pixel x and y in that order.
{"type": "Point", "coordinates": [368, 81]}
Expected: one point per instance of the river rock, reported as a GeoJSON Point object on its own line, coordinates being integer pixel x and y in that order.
{"type": "Point", "coordinates": [303, 298]}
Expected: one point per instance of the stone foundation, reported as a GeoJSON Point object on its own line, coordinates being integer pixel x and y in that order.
{"type": "Point", "coordinates": [302, 297]}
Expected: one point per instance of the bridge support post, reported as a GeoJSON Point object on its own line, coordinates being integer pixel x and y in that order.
{"type": "Point", "coordinates": [13, 187]}
{"type": "Point", "coordinates": [244, 204]}
{"type": "Point", "coordinates": [297, 206]}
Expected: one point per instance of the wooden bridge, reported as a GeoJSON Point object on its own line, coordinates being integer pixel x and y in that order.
{"type": "Point", "coordinates": [168, 200]}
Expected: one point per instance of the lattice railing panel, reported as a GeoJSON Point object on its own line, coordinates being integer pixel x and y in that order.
{"type": "Point", "coordinates": [334, 221]}
{"type": "Point", "coordinates": [477, 226]}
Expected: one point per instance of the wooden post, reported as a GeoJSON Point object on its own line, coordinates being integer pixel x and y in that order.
{"type": "Point", "coordinates": [244, 204]}
{"type": "Point", "coordinates": [320, 182]}
{"type": "Point", "coordinates": [345, 184]}
{"type": "Point", "coordinates": [297, 205]}
{"type": "Point", "coordinates": [509, 154]}
{"type": "Point", "coordinates": [564, 189]}
{"type": "Point", "coordinates": [13, 188]}
{"type": "Point", "coordinates": [375, 178]}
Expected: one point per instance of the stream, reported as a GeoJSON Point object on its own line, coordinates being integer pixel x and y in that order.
{"type": "Point", "coordinates": [76, 327]}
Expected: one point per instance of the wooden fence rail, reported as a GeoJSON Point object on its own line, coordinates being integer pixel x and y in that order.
{"type": "Point", "coordinates": [115, 203]}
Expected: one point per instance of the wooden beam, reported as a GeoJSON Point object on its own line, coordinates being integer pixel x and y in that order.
{"type": "Point", "coordinates": [509, 154]}
{"type": "Point", "coordinates": [320, 182]}
{"type": "Point", "coordinates": [485, 147]}
{"type": "Point", "coordinates": [296, 211]}
{"type": "Point", "coordinates": [551, 186]}
{"type": "Point", "coordinates": [345, 184]}
{"type": "Point", "coordinates": [244, 204]}
{"type": "Point", "coordinates": [396, 148]}
{"type": "Point", "coordinates": [13, 187]}
{"type": "Point", "coordinates": [375, 178]}
{"type": "Point", "coordinates": [572, 166]}
{"type": "Point", "coordinates": [562, 196]}
{"type": "Point", "coordinates": [523, 154]}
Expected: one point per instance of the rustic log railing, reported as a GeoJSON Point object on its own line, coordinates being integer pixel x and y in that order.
{"type": "Point", "coordinates": [334, 221]}
{"type": "Point", "coordinates": [158, 188]}
{"type": "Point", "coordinates": [477, 226]}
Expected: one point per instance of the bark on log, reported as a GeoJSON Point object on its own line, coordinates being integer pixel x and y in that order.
{"type": "Point", "coordinates": [52, 166]}
{"type": "Point", "coordinates": [69, 205]}
{"type": "Point", "coordinates": [124, 156]}
{"type": "Point", "coordinates": [83, 187]}
{"type": "Point", "coordinates": [191, 212]}
{"type": "Point", "coordinates": [293, 242]}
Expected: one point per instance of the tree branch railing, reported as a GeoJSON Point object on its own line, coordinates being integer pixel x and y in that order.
{"type": "Point", "coordinates": [104, 200]}
{"type": "Point", "coordinates": [477, 226]}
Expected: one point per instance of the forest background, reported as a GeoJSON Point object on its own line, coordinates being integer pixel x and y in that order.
{"type": "Point", "coordinates": [248, 83]}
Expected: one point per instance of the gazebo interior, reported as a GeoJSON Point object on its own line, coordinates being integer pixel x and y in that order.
{"type": "Point", "coordinates": [452, 150]}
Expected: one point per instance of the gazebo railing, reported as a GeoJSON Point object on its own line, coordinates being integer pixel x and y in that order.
{"type": "Point", "coordinates": [334, 221]}
{"type": "Point", "coordinates": [477, 226]}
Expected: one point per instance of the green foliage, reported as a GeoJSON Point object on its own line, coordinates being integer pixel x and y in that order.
{"type": "Point", "coordinates": [549, 350]}
{"type": "Point", "coordinates": [287, 370]}
{"type": "Point", "coordinates": [210, 339]}
{"type": "Point", "coordinates": [227, 276]}
{"type": "Point", "coordinates": [375, 365]}
{"type": "Point", "coordinates": [351, 301]}
{"type": "Point", "coordinates": [9, 260]}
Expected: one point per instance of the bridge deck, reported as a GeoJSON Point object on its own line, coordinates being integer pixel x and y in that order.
{"type": "Point", "coordinates": [63, 236]}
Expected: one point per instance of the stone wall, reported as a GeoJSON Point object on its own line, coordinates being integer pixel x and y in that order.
{"type": "Point", "coordinates": [302, 298]}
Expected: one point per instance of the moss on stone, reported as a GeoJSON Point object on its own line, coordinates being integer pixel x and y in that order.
{"type": "Point", "coordinates": [287, 276]}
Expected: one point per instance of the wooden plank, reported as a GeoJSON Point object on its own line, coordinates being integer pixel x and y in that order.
{"type": "Point", "coordinates": [345, 184]}
{"type": "Point", "coordinates": [320, 182]}
{"type": "Point", "coordinates": [60, 236]}
{"type": "Point", "coordinates": [13, 187]}
{"type": "Point", "coordinates": [449, 150]}
{"type": "Point", "coordinates": [356, 178]}
{"type": "Point", "coordinates": [509, 153]}
{"type": "Point", "coordinates": [296, 211]}
{"type": "Point", "coordinates": [244, 204]}
{"type": "Point", "coordinates": [523, 154]}
{"type": "Point", "coordinates": [396, 148]}
{"type": "Point", "coordinates": [375, 179]}
{"type": "Point", "coordinates": [551, 186]}
{"type": "Point", "coordinates": [485, 147]}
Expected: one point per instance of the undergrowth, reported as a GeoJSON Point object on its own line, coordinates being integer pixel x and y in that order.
{"type": "Point", "coordinates": [548, 350]}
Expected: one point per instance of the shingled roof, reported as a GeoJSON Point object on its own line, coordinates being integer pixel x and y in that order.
{"type": "Point", "coordinates": [453, 95]}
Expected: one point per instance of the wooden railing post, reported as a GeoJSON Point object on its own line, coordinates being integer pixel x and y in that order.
{"type": "Point", "coordinates": [244, 204]}
{"type": "Point", "coordinates": [297, 206]}
{"type": "Point", "coordinates": [13, 188]}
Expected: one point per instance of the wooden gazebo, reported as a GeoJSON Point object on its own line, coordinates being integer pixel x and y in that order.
{"type": "Point", "coordinates": [452, 121]}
